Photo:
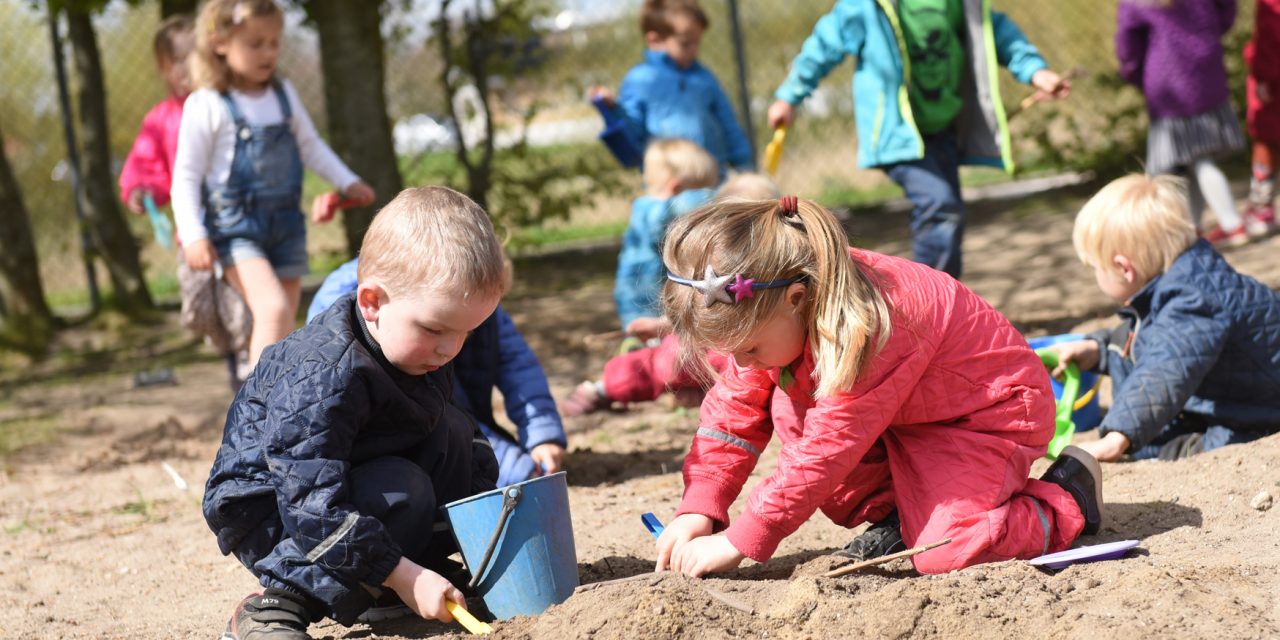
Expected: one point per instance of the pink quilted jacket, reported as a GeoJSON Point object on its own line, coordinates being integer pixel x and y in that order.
{"type": "Point", "coordinates": [952, 363]}
{"type": "Point", "coordinates": [149, 164]}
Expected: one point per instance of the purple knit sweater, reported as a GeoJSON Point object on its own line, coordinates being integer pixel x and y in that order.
{"type": "Point", "coordinates": [1173, 52]}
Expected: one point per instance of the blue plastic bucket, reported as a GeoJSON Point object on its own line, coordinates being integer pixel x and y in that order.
{"type": "Point", "coordinates": [1090, 415]}
{"type": "Point", "coordinates": [517, 542]}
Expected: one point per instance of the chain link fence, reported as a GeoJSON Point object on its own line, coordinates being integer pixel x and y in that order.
{"type": "Point", "coordinates": [584, 43]}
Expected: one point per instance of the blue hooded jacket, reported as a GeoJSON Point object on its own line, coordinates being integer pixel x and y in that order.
{"type": "Point", "coordinates": [869, 31]}
{"type": "Point", "coordinates": [495, 355]}
{"type": "Point", "coordinates": [658, 99]}
{"type": "Point", "coordinates": [640, 269]}
{"type": "Point", "coordinates": [1205, 339]}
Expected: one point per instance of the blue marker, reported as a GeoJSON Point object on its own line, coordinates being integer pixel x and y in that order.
{"type": "Point", "coordinates": [652, 523]}
{"type": "Point", "coordinates": [160, 225]}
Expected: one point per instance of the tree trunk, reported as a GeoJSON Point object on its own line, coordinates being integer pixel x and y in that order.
{"type": "Point", "coordinates": [107, 227]}
{"type": "Point", "coordinates": [172, 7]}
{"type": "Point", "coordinates": [351, 56]}
{"type": "Point", "coordinates": [25, 321]}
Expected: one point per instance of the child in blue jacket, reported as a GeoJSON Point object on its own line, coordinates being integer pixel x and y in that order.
{"type": "Point", "coordinates": [679, 177]}
{"type": "Point", "coordinates": [494, 355]}
{"type": "Point", "coordinates": [926, 99]}
{"type": "Point", "coordinates": [671, 95]}
{"type": "Point", "coordinates": [1195, 364]}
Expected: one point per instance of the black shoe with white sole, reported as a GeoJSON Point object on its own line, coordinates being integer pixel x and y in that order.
{"type": "Point", "coordinates": [1080, 474]}
{"type": "Point", "coordinates": [880, 539]}
{"type": "Point", "coordinates": [272, 615]}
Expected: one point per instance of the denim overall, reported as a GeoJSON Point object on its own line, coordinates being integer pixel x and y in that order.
{"type": "Point", "coordinates": [256, 213]}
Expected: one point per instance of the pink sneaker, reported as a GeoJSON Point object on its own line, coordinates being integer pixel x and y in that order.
{"type": "Point", "coordinates": [1222, 239]}
{"type": "Point", "coordinates": [586, 398]}
{"type": "Point", "coordinates": [1260, 222]}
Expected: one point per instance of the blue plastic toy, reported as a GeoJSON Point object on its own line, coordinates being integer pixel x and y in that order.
{"type": "Point", "coordinates": [161, 227]}
{"type": "Point", "coordinates": [517, 542]}
{"type": "Point", "coordinates": [652, 523]}
{"type": "Point", "coordinates": [616, 138]}
{"type": "Point", "coordinates": [1087, 414]}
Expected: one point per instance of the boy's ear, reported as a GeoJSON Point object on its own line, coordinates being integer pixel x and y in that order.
{"type": "Point", "coordinates": [652, 39]}
{"type": "Point", "coordinates": [1125, 267]}
{"type": "Point", "coordinates": [370, 296]}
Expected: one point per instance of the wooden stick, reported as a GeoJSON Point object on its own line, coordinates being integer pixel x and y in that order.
{"type": "Point", "coordinates": [728, 600]}
{"type": "Point", "coordinates": [836, 573]}
{"type": "Point", "coordinates": [607, 336]}
{"type": "Point", "coordinates": [605, 583]}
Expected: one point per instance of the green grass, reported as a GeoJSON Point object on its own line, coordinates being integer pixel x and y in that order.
{"type": "Point", "coordinates": [20, 433]}
{"type": "Point", "coordinates": [545, 237]}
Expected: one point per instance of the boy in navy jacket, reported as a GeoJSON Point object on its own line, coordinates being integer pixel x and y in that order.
{"type": "Point", "coordinates": [1196, 363]}
{"type": "Point", "coordinates": [495, 355]}
{"type": "Point", "coordinates": [343, 442]}
{"type": "Point", "coordinates": [671, 95]}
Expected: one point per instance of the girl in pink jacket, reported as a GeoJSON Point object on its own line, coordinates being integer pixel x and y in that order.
{"type": "Point", "coordinates": [899, 396]}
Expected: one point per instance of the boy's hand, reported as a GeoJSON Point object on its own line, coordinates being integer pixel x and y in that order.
{"type": "Point", "coordinates": [781, 112]}
{"type": "Point", "coordinates": [1108, 448]}
{"type": "Point", "coordinates": [549, 458]}
{"type": "Point", "coordinates": [360, 194]}
{"type": "Point", "coordinates": [646, 328]}
{"type": "Point", "coordinates": [423, 590]}
{"type": "Point", "coordinates": [1084, 353]}
{"type": "Point", "coordinates": [708, 554]}
{"type": "Point", "coordinates": [134, 203]}
{"type": "Point", "coordinates": [603, 94]}
{"type": "Point", "coordinates": [200, 255]}
{"type": "Point", "coordinates": [1051, 85]}
{"type": "Point", "coordinates": [678, 534]}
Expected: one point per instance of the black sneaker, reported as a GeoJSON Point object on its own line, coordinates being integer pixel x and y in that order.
{"type": "Point", "coordinates": [1080, 474]}
{"type": "Point", "coordinates": [268, 617]}
{"type": "Point", "coordinates": [880, 539]}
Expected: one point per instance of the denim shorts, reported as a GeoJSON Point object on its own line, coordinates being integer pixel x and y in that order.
{"type": "Point", "coordinates": [241, 233]}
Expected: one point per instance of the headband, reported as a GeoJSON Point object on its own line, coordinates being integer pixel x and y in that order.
{"type": "Point", "coordinates": [716, 288]}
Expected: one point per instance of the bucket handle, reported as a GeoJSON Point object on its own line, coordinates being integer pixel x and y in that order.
{"type": "Point", "coordinates": [510, 497]}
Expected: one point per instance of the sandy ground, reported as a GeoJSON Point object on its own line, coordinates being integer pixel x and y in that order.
{"type": "Point", "coordinates": [97, 540]}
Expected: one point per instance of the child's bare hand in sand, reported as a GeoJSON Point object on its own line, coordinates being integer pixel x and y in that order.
{"type": "Point", "coordinates": [423, 590]}
{"type": "Point", "coordinates": [678, 533]}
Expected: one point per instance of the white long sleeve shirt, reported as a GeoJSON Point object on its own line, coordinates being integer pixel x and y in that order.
{"type": "Point", "coordinates": [207, 144]}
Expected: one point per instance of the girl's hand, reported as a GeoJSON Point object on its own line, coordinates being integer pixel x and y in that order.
{"type": "Point", "coordinates": [1051, 85]}
{"type": "Point", "coordinates": [201, 255]}
{"type": "Point", "coordinates": [677, 534]}
{"type": "Point", "coordinates": [1082, 352]}
{"type": "Point", "coordinates": [708, 554]}
{"type": "Point", "coordinates": [134, 203]}
{"type": "Point", "coordinates": [781, 113]}
{"type": "Point", "coordinates": [604, 95]}
{"type": "Point", "coordinates": [646, 328]}
{"type": "Point", "coordinates": [549, 458]}
{"type": "Point", "coordinates": [1108, 448]}
{"type": "Point", "coordinates": [423, 590]}
{"type": "Point", "coordinates": [360, 194]}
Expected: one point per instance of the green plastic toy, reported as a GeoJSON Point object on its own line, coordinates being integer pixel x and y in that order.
{"type": "Point", "coordinates": [1070, 390]}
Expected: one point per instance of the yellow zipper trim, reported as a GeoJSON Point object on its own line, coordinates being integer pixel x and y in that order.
{"type": "Point", "coordinates": [904, 102]}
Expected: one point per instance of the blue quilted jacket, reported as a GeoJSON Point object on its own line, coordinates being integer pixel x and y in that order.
{"type": "Point", "coordinates": [1205, 340]}
{"type": "Point", "coordinates": [319, 403]}
{"type": "Point", "coordinates": [661, 100]}
{"type": "Point", "coordinates": [495, 355]}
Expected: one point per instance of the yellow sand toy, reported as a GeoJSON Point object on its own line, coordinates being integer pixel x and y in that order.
{"type": "Point", "coordinates": [773, 152]}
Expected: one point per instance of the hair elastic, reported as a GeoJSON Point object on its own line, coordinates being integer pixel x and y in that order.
{"type": "Point", "coordinates": [716, 288]}
{"type": "Point", "coordinates": [789, 205]}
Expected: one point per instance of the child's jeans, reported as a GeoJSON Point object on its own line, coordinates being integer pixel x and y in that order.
{"type": "Point", "coordinates": [937, 214]}
{"type": "Point", "coordinates": [1215, 436]}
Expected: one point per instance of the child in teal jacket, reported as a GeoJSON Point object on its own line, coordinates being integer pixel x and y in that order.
{"type": "Point", "coordinates": [920, 113]}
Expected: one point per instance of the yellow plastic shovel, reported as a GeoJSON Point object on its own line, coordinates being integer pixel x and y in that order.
{"type": "Point", "coordinates": [468, 621]}
{"type": "Point", "coordinates": [773, 152]}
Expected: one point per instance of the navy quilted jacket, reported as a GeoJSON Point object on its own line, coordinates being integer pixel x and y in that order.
{"type": "Point", "coordinates": [318, 403]}
{"type": "Point", "coordinates": [1205, 340]}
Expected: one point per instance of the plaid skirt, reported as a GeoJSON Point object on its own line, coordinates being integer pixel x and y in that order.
{"type": "Point", "coordinates": [1175, 143]}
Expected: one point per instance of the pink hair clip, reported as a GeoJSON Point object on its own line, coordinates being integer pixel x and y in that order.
{"type": "Point", "coordinates": [240, 13]}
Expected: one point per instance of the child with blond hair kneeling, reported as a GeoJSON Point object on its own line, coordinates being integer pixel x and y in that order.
{"type": "Point", "coordinates": [1195, 364]}
{"type": "Point", "coordinates": [898, 395]}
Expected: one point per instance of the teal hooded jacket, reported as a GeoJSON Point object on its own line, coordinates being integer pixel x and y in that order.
{"type": "Point", "coordinates": [869, 31]}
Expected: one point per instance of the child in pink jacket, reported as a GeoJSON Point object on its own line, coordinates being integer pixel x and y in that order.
{"type": "Point", "coordinates": [898, 396]}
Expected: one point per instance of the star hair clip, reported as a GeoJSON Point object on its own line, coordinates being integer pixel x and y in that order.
{"type": "Point", "coordinates": [716, 288]}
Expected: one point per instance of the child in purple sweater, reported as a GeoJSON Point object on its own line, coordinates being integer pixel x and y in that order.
{"type": "Point", "coordinates": [1173, 52]}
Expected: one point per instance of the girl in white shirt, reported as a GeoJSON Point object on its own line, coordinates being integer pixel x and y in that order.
{"type": "Point", "coordinates": [237, 178]}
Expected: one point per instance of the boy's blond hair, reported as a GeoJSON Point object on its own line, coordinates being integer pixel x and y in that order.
{"type": "Point", "coordinates": [688, 163]}
{"type": "Point", "coordinates": [433, 239]}
{"type": "Point", "coordinates": [749, 186]}
{"type": "Point", "coordinates": [846, 315]}
{"type": "Point", "coordinates": [217, 22]}
{"type": "Point", "coordinates": [1143, 218]}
